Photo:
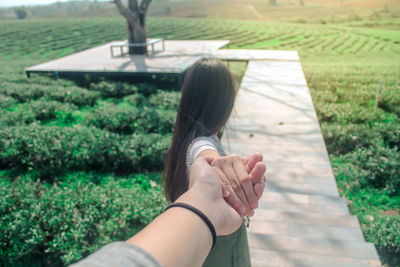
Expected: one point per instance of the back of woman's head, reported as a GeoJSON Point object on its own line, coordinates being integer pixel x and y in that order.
{"type": "Point", "coordinates": [207, 99]}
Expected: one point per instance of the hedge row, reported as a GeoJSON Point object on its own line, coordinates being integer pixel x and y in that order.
{"type": "Point", "coordinates": [375, 168]}
{"type": "Point", "coordinates": [122, 120]}
{"type": "Point", "coordinates": [52, 149]}
{"type": "Point", "coordinates": [7, 101]}
{"type": "Point", "coordinates": [35, 111]}
{"type": "Point", "coordinates": [341, 139]}
{"type": "Point", "coordinates": [384, 232]}
{"type": "Point", "coordinates": [165, 99]}
{"type": "Point", "coordinates": [120, 89]}
{"type": "Point", "coordinates": [390, 101]}
{"type": "Point", "coordinates": [53, 225]}
{"type": "Point", "coordinates": [25, 92]}
{"type": "Point", "coordinates": [348, 113]}
{"type": "Point", "coordinates": [370, 181]}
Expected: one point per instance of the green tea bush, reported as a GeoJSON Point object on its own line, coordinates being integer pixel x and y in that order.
{"type": "Point", "coordinates": [22, 92]}
{"type": "Point", "coordinates": [341, 139]}
{"type": "Point", "coordinates": [115, 119]}
{"type": "Point", "coordinates": [383, 231]}
{"type": "Point", "coordinates": [150, 149]}
{"type": "Point", "coordinates": [25, 92]}
{"type": "Point", "coordinates": [120, 89]}
{"type": "Point", "coordinates": [7, 101]}
{"type": "Point", "coordinates": [390, 133]}
{"type": "Point", "coordinates": [35, 111]}
{"type": "Point", "coordinates": [60, 224]}
{"type": "Point", "coordinates": [147, 88]}
{"type": "Point", "coordinates": [167, 121]}
{"type": "Point", "coordinates": [137, 100]}
{"type": "Point", "coordinates": [151, 120]}
{"type": "Point", "coordinates": [52, 149]}
{"type": "Point", "coordinates": [324, 96]}
{"type": "Point", "coordinates": [113, 89]}
{"type": "Point", "coordinates": [389, 101]}
{"type": "Point", "coordinates": [348, 113]}
{"type": "Point", "coordinates": [166, 99]}
{"type": "Point", "coordinates": [148, 120]}
{"type": "Point", "coordinates": [376, 167]}
{"type": "Point", "coordinates": [43, 79]}
{"type": "Point", "coordinates": [73, 94]}
{"type": "Point", "coordinates": [129, 120]}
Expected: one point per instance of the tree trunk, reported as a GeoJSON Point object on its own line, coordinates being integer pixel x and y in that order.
{"type": "Point", "coordinates": [137, 34]}
{"type": "Point", "coordinates": [136, 24]}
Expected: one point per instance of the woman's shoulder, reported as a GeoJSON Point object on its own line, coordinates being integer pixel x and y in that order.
{"type": "Point", "coordinates": [206, 139]}
{"type": "Point", "coordinates": [207, 142]}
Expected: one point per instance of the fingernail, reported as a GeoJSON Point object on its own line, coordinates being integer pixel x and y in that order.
{"type": "Point", "coordinates": [226, 192]}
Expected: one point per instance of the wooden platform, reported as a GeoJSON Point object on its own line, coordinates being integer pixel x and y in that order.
{"type": "Point", "coordinates": [175, 60]}
{"type": "Point", "coordinates": [301, 220]}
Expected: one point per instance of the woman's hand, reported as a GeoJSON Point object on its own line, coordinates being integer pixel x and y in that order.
{"type": "Point", "coordinates": [256, 168]}
{"type": "Point", "coordinates": [205, 194]}
{"type": "Point", "coordinates": [242, 181]}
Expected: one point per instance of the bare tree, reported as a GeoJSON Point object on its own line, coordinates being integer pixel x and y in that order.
{"type": "Point", "coordinates": [20, 12]}
{"type": "Point", "coordinates": [135, 16]}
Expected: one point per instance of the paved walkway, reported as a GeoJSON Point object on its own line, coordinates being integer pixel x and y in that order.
{"type": "Point", "coordinates": [302, 220]}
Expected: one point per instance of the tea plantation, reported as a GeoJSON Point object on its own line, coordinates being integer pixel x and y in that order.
{"type": "Point", "coordinates": [80, 163]}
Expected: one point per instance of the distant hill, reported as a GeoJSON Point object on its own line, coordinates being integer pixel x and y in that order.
{"type": "Point", "coordinates": [282, 10]}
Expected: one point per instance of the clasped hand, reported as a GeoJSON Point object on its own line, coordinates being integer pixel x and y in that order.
{"type": "Point", "coordinates": [242, 181]}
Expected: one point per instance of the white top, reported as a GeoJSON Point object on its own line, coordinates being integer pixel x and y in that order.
{"type": "Point", "coordinates": [200, 144]}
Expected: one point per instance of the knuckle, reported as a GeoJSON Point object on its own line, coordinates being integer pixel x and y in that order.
{"type": "Point", "coordinates": [224, 160]}
{"type": "Point", "coordinates": [236, 157]}
{"type": "Point", "coordinates": [235, 185]}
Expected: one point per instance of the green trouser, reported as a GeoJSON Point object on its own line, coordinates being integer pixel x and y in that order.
{"type": "Point", "coordinates": [230, 250]}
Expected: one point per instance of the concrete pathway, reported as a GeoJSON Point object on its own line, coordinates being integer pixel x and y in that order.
{"type": "Point", "coordinates": [302, 220]}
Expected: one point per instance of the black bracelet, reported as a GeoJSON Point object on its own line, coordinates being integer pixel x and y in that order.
{"type": "Point", "coordinates": [200, 214]}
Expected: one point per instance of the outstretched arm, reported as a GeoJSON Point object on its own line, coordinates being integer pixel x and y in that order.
{"type": "Point", "coordinates": [178, 237]}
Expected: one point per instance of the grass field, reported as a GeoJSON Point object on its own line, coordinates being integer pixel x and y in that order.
{"type": "Point", "coordinates": [68, 135]}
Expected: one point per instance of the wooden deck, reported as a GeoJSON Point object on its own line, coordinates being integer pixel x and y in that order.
{"type": "Point", "coordinates": [175, 60]}
{"type": "Point", "coordinates": [301, 220]}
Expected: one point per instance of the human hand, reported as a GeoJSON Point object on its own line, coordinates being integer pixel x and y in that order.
{"type": "Point", "coordinates": [241, 180]}
{"type": "Point", "coordinates": [205, 194]}
{"type": "Point", "coordinates": [256, 168]}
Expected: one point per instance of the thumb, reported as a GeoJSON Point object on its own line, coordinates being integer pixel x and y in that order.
{"type": "Point", "coordinates": [252, 160]}
{"type": "Point", "coordinates": [257, 173]}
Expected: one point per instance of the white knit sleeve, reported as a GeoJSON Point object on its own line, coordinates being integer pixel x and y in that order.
{"type": "Point", "coordinates": [197, 146]}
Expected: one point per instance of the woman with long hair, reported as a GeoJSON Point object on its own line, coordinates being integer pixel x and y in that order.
{"type": "Point", "coordinates": [208, 95]}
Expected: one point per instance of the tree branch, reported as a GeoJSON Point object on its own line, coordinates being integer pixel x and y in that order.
{"type": "Point", "coordinates": [144, 6]}
{"type": "Point", "coordinates": [129, 15]}
{"type": "Point", "coordinates": [132, 5]}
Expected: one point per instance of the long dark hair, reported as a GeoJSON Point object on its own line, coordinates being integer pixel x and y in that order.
{"type": "Point", "coordinates": [208, 95]}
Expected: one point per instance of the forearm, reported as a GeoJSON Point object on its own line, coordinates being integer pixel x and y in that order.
{"type": "Point", "coordinates": [178, 237]}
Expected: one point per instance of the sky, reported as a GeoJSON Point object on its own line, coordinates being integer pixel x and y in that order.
{"type": "Point", "coordinates": [11, 3]}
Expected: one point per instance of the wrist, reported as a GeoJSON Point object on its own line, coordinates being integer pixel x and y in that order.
{"type": "Point", "coordinates": [203, 203]}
